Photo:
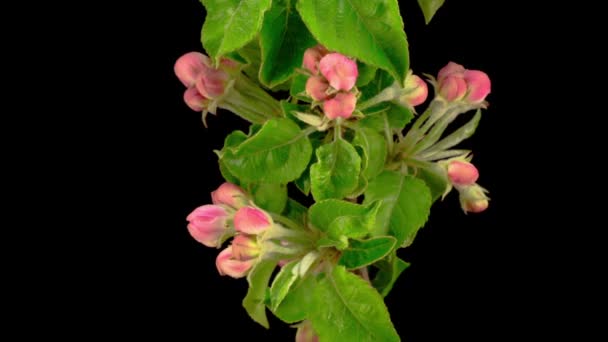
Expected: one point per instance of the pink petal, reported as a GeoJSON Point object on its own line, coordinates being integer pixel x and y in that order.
{"type": "Point", "coordinates": [450, 69]}
{"type": "Point", "coordinates": [316, 86]}
{"type": "Point", "coordinates": [479, 85]}
{"type": "Point", "coordinates": [340, 71]}
{"type": "Point", "coordinates": [189, 66]}
{"type": "Point", "coordinates": [211, 83]}
{"type": "Point", "coordinates": [227, 265]}
{"type": "Point", "coordinates": [230, 195]}
{"type": "Point", "coordinates": [452, 87]}
{"type": "Point", "coordinates": [250, 220]}
{"type": "Point", "coordinates": [342, 105]}
{"type": "Point", "coordinates": [462, 173]}
{"type": "Point", "coordinates": [195, 100]}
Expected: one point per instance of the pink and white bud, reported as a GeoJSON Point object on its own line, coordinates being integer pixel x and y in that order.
{"type": "Point", "coordinates": [250, 220]}
{"type": "Point", "coordinates": [462, 173]}
{"type": "Point", "coordinates": [450, 69]}
{"type": "Point", "coordinates": [211, 83]}
{"type": "Point", "coordinates": [245, 247]}
{"type": "Point", "coordinates": [339, 70]}
{"type": "Point", "coordinates": [452, 87]}
{"type": "Point", "coordinates": [227, 264]}
{"type": "Point", "coordinates": [306, 333]}
{"type": "Point", "coordinates": [473, 198]}
{"type": "Point", "coordinates": [207, 224]}
{"type": "Point", "coordinates": [189, 66]}
{"type": "Point", "coordinates": [230, 195]}
{"type": "Point", "coordinates": [316, 87]}
{"type": "Point", "coordinates": [195, 100]}
{"type": "Point", "coordinates": [312, 56]}
{"type": "Point", "coordinates": [342, 105]}
{"type": "Point", "coordinates": [415, 91]}
{"type": "Point", "coordinates": [478, 84]}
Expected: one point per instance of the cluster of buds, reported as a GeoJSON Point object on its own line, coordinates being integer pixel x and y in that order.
{"type": "Point", "coordinates": [256, 235]}
{"type": "Point", "coordinates": [209, 87]}
{"type": "Point", "coordinates": [463, 176]}
{"type": "Point", "coordinates": [455, 83]}
{"type": "Point", "coordinates": [332, 81]}
{"type": "Point", "coordinates": [203, 82]}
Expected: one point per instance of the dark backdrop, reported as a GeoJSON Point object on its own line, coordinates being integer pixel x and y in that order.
{"type": "Point", "coordinates": [467, 272]}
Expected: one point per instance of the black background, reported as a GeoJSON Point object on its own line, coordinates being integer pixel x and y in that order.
{"type": "Point", "coordinates": [150, 278]}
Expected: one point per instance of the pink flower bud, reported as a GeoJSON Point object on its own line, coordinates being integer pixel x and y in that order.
{"type": "Point", "coordinates": [230, 195]}
{"type": "Point", "coordinates": [189, 66]}
{"type": "Point", "coordinates": [212, 82]}
{"type": "Point", "coordinates": [342, 105]}
{"type": "Point", "coordinates": [245, 247]}
{"type": "Point", "coordinates": [312, 56]}
{"type": "Point", "coordinates": [227, 265]}
{"type": "Point", "coordinates": [455, 82]}
{"type": "Point", "coordinates": [250, 220]}
{"type": "Point", "coordinates": [473, 198]}
{"type": "Point", "coordinates": [450, 69]}
{"type": "Point", "coordinates": [316, 86]}
{"type": "Point", "coordinates": [478, 84]}
{"type": "Point", "coordinates": [207, 224]}
{"type": "Point", "coordinates": [452, 87]}
{"type": "Point", "coordinates": [306, 333]}
{"type": "Point", "coordinates": [340, 71]}
{"type": "Point", "coordinates": [195, 100]}
{"type": "Point", "coordinates": [462, 173]}
{"type": "Point", "coordinates": [416, 91]}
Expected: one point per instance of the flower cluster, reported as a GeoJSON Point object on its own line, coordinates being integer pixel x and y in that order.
{"type": "Point", "coordinates": [332, 82]}
{"type": "Point", "coordinates": [231, 214]}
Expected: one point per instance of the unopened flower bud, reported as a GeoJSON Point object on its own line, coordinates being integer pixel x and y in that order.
{"type": "Point", "coordinates": [245, 247]}
{"type": "Point", "coordinates": [342, 105]}
{"type": "Point", "coordinates": [207, 224]}
{"type": "Point", "coordinates": [230, 195]}
{"type": "Point", "coordinates": [415, 91]}
{"type": "Point", "coordinates": [195, 100]}
{"type": "Point", "coordinates": [339, 70]}
{"type": "Point", "coordinates": [478, 84]}
{"type": "Point", "coordinates": [312, 56]}
{"type": "Point", "coordinates": [455, 83]}
{"type": "Point", "coordinates": [211, 83]}
{"type": "Point", "coordinates": [316, 87]}
{"type": "Point", "coordinates": [189, 66]}
{"type": "Point", "coordinates": [250, 220]}
{"type": "Point", "coordinates": [462, 173]}
{"type": "Point", "coordinates": [228, 265]}
{"type": "Point", "coordinates": [473, 198]}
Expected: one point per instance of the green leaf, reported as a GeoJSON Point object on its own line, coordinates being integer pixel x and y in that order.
{"type": "Point", "coordinates": [289, 109]}
{"type": "Point", "coordinates": [336, 172]}
{"type": "Point", "coordinates": [347, 308]}
{"type": "Point", "coordinates": [303, 182]}
{"type": "Point", "coordinates": [429, 8]}
{"type": "Point", "coordinates": [323, 213]}
{"type": "Point", "coordinates": [366, 74]}
{"type": "Point", "coordinates": [435, 177]}
{"type": "Point", "coordinates": [252, 54]}
{"type": "Point", "coordinates": [278, 153]}
{"type": "Point", "coordinates": [374, 148]}
{"type": "Point", "coordinates": [258, 279]}
{"type": "Point", "coordinates": [354, 226]}
{"type": "Point", "coordinates": [231, 24]}
{"type": "Point", "coordinates": [365, 252]}
{"type": "Point", "coordinates": [389, 270]}
{"type": "Point", "coordinates": [270, 197]}
{"type": "Point", "coordinates": [298, 88]}
{"type": "Point", "coordinates": [232, 140]}
{"type": "Point", "coordinates": [406, 204]}
{"type": "Point", "coordinates": [282, 284]}
{"type": "Point", "coordinates": [295, 211]}
{"type": "Point", "coordinates": [295, 306]}
{"type": "Point", "coordinates": [371, 31]}
{"type": "Point", "coordinates": [284, 39]}
{"type": "Point", "coordinates": [397, 116]}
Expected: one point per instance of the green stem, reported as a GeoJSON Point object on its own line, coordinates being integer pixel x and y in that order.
{"type": "Point", "coordinates": [289, 223]}
{"type": "Point", "coordinates": [387, 94]}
